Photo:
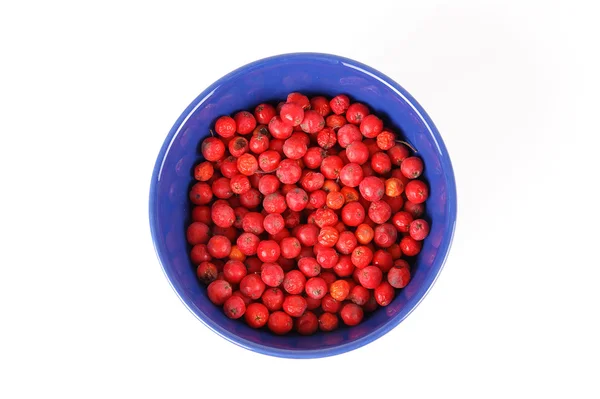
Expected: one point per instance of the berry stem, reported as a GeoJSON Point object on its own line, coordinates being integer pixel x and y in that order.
{"type": "Point", "coordinates": [407, 144]}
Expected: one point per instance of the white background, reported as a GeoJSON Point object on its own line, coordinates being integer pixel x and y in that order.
{"type": "Point", "coordinates": [88, 91]}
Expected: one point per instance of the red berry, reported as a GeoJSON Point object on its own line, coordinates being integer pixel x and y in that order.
{"type": "Point", "coordinates": [335, 200]}
{"type": "Point", "coordinates": [339, 290]}
{"type": "Point", "coordinates": [371, 126]}
{"type": "Point", "coordinates": [234, 271]}
{"type": "Point", "coordinates": [419, 229]}
{"type": "Point", "coordinates": [317, 199]}
{"type": "Point", "coordinates": [384, 293]}
{"type": "Point", "coordinates": [321, 105]}
{"type": "Point", "coordinates": [300, 99]}
{"type": "Point", "coordinates": [238, 146]}
{"type": "Point", "coordinates": [219, 246]}
{"type": "Point", "coordinates": [372, 188]}
{"type": "Point", "coordinates": [370, 277]}
{"type": "Point", "coordinates": [274, 223]}
{"type": "Point", "coordinates": [247, 164]}
{"type": "Point", "coordinates": [252, 286]}
{"type": "Point", "coordinates": [264, 113]}
{"type": "Point", "coordinates": [351, 314]}
{"type": "Point", "coordinates": [393, 187]}
{"type": "Point", "coordinates": [247, 243]}
{"type": "Point", "coordinates": [259, 142]}
{"type": "Point", "coordinates": [328, 322]}
{"type": "Point", "coordinates": [207, 272]}
{"type": "Point", "coordinates": [361, 256]}
{"type": "Point", "coordinates": [268, 251]}
{"type": "Point", "coordinates": [200, 193]}
{"type": "Point", "coordinates": [273, 298]}
{"type": "Point", "coordinates": [331, 166]}
{"type": "Point", "coordinates": [344, 266]}
{"type": "Point", "coordinates": [272, 274]}
{"type": "Point", "coordinates": [294, 305]}
{"type": "Point", "coordinates": [289, 171]}
{"type": "Point", "coordinates": [380, 163]}
{"type": "Point", "coordinates": [290, 247]}
{"type": "Point", "coordinates": [234, 307]}
{"type": "Point", "coordinates": [383, 260]}
{"type": "Point", "coordinates": [253, 264]}
{"type": "Point", "coordinates": [201, 214]}
{"type": "Point", "coordinates": [245, 122]}
{"type": "Point", "coordinates": [346, 242]}
{"type": "Point", "coordinates": [410, 246]}
{"type": "Point", "coordinates": [280, 323]}
{"type": "Point", "coordinates": [268, 184]}
{"type": "Point", "coordinates": [296, 199]}
{"type": "Point", "coordinates": [239, 184]}
{"type": "Point", "coordinates": [386, 140]}
{"type": "Point", "coordinates": [328, 304]}
{"type": "Point", "coordinates": [312, 181]}
{"type": "Point", "coordinates": [412, 167]}
{"type": "Point", "coordinates": [385, 235]}
{"type": "Point", "coordinates": [280, 129]}
{"type": "Point", "coordinates": [307, 324]}
{"type": "Point", "coordinates": [309, 266]}
{"type": "Point", "coordinates": [313, 122]}
{"type": "Point", "coordinates": [308, 234]}
{"type": "Point", "coordinates": [416, 191]}
{"type": "Point", "coordinates": [379, 212]}
{"type": "Point", "coordinates": [314, 157]}
{"type": "Point", "coordinates": [316, 288]}
{"type": "Point", "coordinates": [197, 233]}
{"type": "Point", "coordinates": [335, 121]}
{"type": "Point", "coordinates": [294, 148]}
{"type": "Point", "coordinates": [399, 275]}
{"type": "Point", "coordinates": [274, 203]}
{"type": "Point", "coordinates": [398, 153]}
{"type": "Point", "coordinates": [204, 171]}
{"type": "Point", "coordinates": [359, 295]}
{"type": "Point", "coordinates": [357, 152]}
{"type": "Point", "coordinates": [353, 214]}
{"type": "Point", "coordinates": [356, 112]}
{"type": "Point", "coordinates": [327, 257]}
{"type": "Point", "coordinates": [348, 134]}
{"type": "Point", "coordinates": [292, 114]}
{"type": "Point", "coordinates": [416, 210]}
{"type": "Point", "coordinates": [293, 282]}
{"type": "Point", "coordinates": [326, 138]}
{"type": "Point", "coordinates": [225, 126]}
{"type": "Point", "coordinates": [351, 175]}
{"type": "Point", "coordinates": [222, 214]}
{"type": "Point", "coordinates": [252, 222]}
{"type": "Point", "coordinates": [256, 315]}
{"type": "Point", "coordinates": [339, 104]}
{"type": "Point", "coordinates": [219, 291]}
{"type": "Point", "coordinates": [213, 149]}
{"type": "Point", "coordinates": [269, 161]}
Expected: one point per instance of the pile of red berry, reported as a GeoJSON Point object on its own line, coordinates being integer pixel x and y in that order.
{"type": "Point", "coordinates": [304, 214]}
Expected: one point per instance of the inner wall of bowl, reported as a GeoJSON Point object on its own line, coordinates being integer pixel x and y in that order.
{"type": "Point", "coordinates": [272, 82]}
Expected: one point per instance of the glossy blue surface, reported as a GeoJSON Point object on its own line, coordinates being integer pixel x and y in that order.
{"type": "Point", "coordinates": [272, 79]}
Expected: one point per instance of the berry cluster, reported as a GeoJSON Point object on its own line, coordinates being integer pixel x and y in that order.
{"type": "Point", "coordinates": [305, 213]}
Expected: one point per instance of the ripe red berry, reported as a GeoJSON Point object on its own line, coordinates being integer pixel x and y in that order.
{"type": "Point", "coordinates": [222, 214]}
{"type": "Point", "coordinates": [327, 257]}
{"type": "Point", "coordinates": [339, 104]}
{"type": "Point", "coordinates": [326, 138]}
{"type": "Point", "coordinates": [384, 293]}
{"type": "Point", "coordinates": [213, 149]}
{"type": "Point", "coordinates": [351, 314]}
{"type": "Point", "coordinates": [219, 246]}
{"type": "Point", "coordinates": [321, 105]}
{"type": "Point", "coordinates": [416, 210]}
{"type": "Point", "coordinates": [273, 298]}
{"type": "Point", "coordinates": [280, 323]}
{"type": "Point", "coordinates": [296, 199]}
{"type": "Point", "coordinates": [361, 256]}
{"type": "Point", "coordinates": [294, 305]}
{"type": "Point", "coordinates": [344, 266]}
{"type": "Point", "coordinates": [252, 286]}
{"type": "Point", "coordinates": [207, 272]}
{"type": "Point", "coordinates": [316, 288]}
{"type": "Point", "coordinates": [293, 282]}
{"type": "Point", "coordinates": [289, 171]}
{"type": "Point", "coordinates": [380, 163]}
{"type": "Point", "coordinates": [279, 129]}
{"type": "Point", "coordinates": [356, 112]}
{"type": "Point", "coordinates": [314, 157]}
{"type": "Point", "coordinates": [386, 140]}
{"type": "Point", "coordinates": [234, 271]}
{"type": "Point", "coordinates": [339, 290]}
{"type": "Point", "coordinates": [256, 315]}
{"type": "Point", "coordinates": [385, 235]}
{"type": "Point", "coordinates": [399, 275]}
{"type": "Point", "coordinates": [359, 295]}
{"type": "Point", "coordinates": [225, 126]}
{"type": "Point", "coordinates": [238, 146]}
{"type": "Point", "coordinates": [204, 171]}
{"type": "Point", "coordinates": [292, 114]}
{"type": "Point", "coordinates": [372, 188]}
{"type": "Point", "coordinates": [353, 214]}
{"type": "Point", "coordinates": [416, 191]}
{"type": "Point", "coordinates": [335, 121]}
{"type": "Point", "coordinates": [419, 229]}
{"type": "Point", "coordinates": [371, 126]}
{"type": "Point", "coordinates": [383, 260]}
{"type": "Point", "coordinates": [331, 166]}
{"type": "Point", "coordinates": [290, 247]}
{"type": "Point", "coordinates": [357, 152]}
{"type": "Point", "coordinates": [309, 266]}
{"type": "Point", "coordinates": [272, 274]}
{"type": "Point", "coordinates": [412, 167]}
{"type": "Point", "coordinates": [300, 99]}
{"type": "Point", "coordinates": [264, 113]}
{"type": "Point", "coordinates": [268, 251]}
{"type": "Point", "coordinates": [245, 122]}
{"type": "Point", "coordinates": [307, 324]}
{"type": "Point", "coordinates": [370, 277]}
{"type": "Point", "coordinates": [313, 122]}
{"type": "Point", "coordinates": [410, 246]}
{"type": "Point", "coordinates": [219, 291]}
{"type": "Point", "coordinates": [380, 211]}
{"type": "Point", "coordinates": [234, 307]}
{"type": "Point", "coordinates": [274, 203]}
{"type": "Point", "coordinates": [259, 142]}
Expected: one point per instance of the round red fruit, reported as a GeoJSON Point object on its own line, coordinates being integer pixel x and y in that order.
{"type": "Point", "coordinates": [399, 275]}
{"type": "Point", "coordinates": [385, 235]}
{"type": "Point", "coordinates": [316, 288]}
{"type": "Point", "coordinates": [359, 295]}
{"type": "Point", "coordinates": [213, 149]}
{"type": "Point", "coordinates": [238, 146]}
{"type": "Point", "coordinates": [309, 266]}
{"type": "Point", "coordinates": [219, 246]}
{"type": "Point", "coordinates": [331, 166]}
{"type": "Point", "coordinates": [245, 122]}
{"type": "Point", "coordinates": [328, 322]}
{"type": "Point", "coordinates": [264, 113]}
{"type": "Point", "coordinates": [219, 291]}
{"type": "Point", "coordinates": [294, 305]}
{"type": "Point", "coordinates": [280, 323]}
{"type": "Point", "coordinates": [293, 282]}
{"type": "Point", "coordinates": [386, 140]}
{"type": "Point", "coordinates": [207, 272]}
{"type": "Point", "coordinates": [290, 247]}
{"type": "Point", "coordinates": [339, 104]}
{"type": "Point", "coordinates": [416, 191]}
{"type": "Point", "coordinates": [356, 113]}
{"type": "Point", "coordinates": [362, 256]}
{"type": "Point", "coordinates": [380, 212]}
{"type": "Point", "coordinates": [357, 152]}
{"type": "Point", "coordinates": [289, 171]}
{"type": "Point", "coordinates": [234, 271]}
{"type": "Point", "coordinates": [204, 171]}
{"type": "Point", "coordinates": [256, 315]}
{"type": "Point", "coordinates": [279, 129]}
{"type": "Point", "coordinates": [268, 251]}
{"type": "Point", "coordinates": [419, 229]}
{"type": "Point", "coordinates": [372, 188]}
{"type": "Point", "coordinates": [321, 105]}
{"type": "Point", "coordinates": [314, 157]}
{"type": "Point", "coordinates": [410, 246]}
{"type": "Point", "coordinates": [300, 99]}
{"type": "Point", "coordinates": [272, 274]}
{"type": "Point", "coordinates": [292, 114]}
{"type": "Point", "coordinates": [371, 126]}
{"type": "Point", "coordinates": [234, 307]}
{"type": "Point", "coordinates": [273, 298]}
{"type": "Point", "coordinates": [353, 214]}
{"type": "Point", "coordinates": [370, 277]}
{"type": "Point", "coordinates": [351, 314]}
{"type": "Point", "coordinates": [307, 324]}
{"type": "Point", "coordinates": [398, 153]}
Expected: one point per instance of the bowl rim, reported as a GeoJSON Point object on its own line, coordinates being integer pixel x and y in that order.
{"type": "Point", "coordinates": [444, 246]}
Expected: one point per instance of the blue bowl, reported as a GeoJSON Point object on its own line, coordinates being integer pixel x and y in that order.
{"type": "Point", "coordinates": [270, 80]}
